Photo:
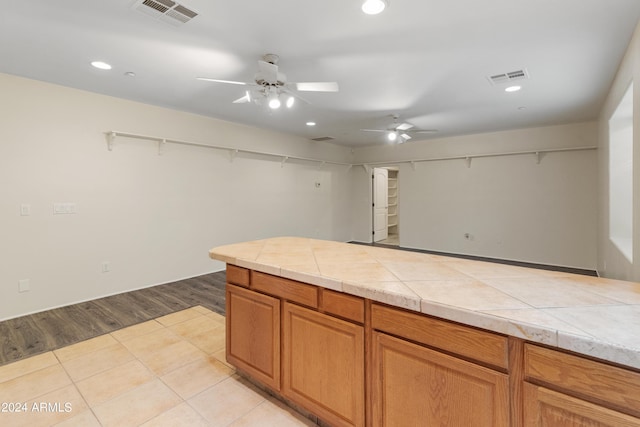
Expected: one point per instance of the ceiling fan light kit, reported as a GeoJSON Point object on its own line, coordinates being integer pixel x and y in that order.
{"type": "Point", "coordinates": [271, 85]}
{"type": "Point", "coordinates": [274, 101]}
{"type": "Point", "coordinates": [374, 7]}
{"type": "Point", "coordinates": [399, 132]}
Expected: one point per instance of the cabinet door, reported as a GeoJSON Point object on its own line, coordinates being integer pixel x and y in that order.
{"type": "Point", "coordinates": [417, 386]}
{"type": "Point", "coordinates": [253, 334]}
{"type": "Point", "coordinates": [323, 365]}
{"type": "Point", "coordinates": [544, 407]}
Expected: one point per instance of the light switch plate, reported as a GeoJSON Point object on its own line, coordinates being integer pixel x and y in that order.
{"type": "Point", "coordinates": [25, 210]}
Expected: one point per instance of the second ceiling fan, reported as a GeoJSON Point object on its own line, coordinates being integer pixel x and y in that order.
{"type": "Point", "coordinates": [271, 85]}
{"type": "Point", "coordinates": [399, 132]}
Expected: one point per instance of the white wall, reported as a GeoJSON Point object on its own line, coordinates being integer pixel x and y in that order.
{"type": "Point", "coordinates": [512, 207]}
{"type": "Point", "coordinates": [611, 261]}
{"type": "Point", "coordinates": [153, 217]}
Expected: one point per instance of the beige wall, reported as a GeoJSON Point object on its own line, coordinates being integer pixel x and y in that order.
{"type": "Point", "coordinates": [511, 206]}
{"type": "Point", "coordinates": [611, 262]}
{"type": "Point", "coordinates": [152, 217]}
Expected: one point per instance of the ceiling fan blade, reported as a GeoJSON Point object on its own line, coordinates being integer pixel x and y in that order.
{"type": "Point", "coordinates": [425, 131]}
{"type": "Point", "coordinates": [405, 137]}
{"type": "Point", "coordinates": [244, 99]}
{"type": "Point", "coordinates": [374, 130]}
{"type": "Point", "coordinates": [317, 86]}
{"type": "Point", "coordinates": [268, 71]}
{"type": "Point", "coordinates": [206, 79]}
{"type": "Point", "coordinates": [404, 126]}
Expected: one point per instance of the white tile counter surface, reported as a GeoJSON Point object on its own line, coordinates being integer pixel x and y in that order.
{"type": "Point", "coordinates": [589, 315]}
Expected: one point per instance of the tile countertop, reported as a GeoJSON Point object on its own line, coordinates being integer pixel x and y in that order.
{"type": "Point", "coordinates": [588, 315]}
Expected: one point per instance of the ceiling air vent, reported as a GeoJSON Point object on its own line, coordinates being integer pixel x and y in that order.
{"type": "Point", "coordinates": [508, 77]}
{"type": "Point", "coordinates": [323, 138]}
{"type": "Point", "coordinates": [165, 10]}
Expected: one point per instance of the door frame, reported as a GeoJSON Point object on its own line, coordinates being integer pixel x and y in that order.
{"type": "Point", "coordinates": [370, 171]}
{"type": "Point", "coordinates": [375, 210]}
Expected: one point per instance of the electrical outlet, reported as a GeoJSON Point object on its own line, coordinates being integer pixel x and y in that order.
{"type": "Point", "coordinates": [106, 267]}
{"type": "Point", "coordinates": [25, 210]}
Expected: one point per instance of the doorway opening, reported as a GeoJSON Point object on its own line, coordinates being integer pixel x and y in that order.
{"type": "Point", "coordinates": [386, 225]}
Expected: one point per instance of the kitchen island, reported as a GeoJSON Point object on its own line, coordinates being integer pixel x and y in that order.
{"type": "Point", "coordinates": [362, 335]}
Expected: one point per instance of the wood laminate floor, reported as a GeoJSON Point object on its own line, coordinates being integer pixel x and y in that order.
{"type": "Point", "coordinates": [49, 330]}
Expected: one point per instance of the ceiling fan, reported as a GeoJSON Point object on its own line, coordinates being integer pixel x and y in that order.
{"type": "Point", "coordinates": [271, 85]}
{"type": "Point", "coordinates": [399, 132]}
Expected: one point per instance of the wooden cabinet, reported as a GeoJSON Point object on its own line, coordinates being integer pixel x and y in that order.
{"type": "Point", "coordinates": [566, 390]}
{"type": "Point", "coordinates": [355, 362]}
{"type": "Point", "coordinates": [253, 334]}
{"type": "Point", "coordinates": [323, 365]}
{"type": "Point", "coordinates": [547, 408]}
{"type": "Point", "coordinates": [320, 364]}
{"type": "Point", "coordinates": [413, 385]}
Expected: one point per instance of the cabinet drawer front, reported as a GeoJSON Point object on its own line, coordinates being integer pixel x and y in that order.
{"type": "Point", "coordinates": [576, 375]}
{"type": "Point", "coordinates": [465, 341]}
{"type": "Point", "coordinates": [343, 305]}
{"type": "Point", "coordinates": [284, 288]}
{"type": "Point", "coordinates": [237, 275]}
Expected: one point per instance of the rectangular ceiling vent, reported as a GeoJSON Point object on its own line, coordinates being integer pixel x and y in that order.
{"type": "Point", "coordinates": [165, 10]}
{"type": "Point", "coordinates": [323, 138]}
{"type": "Point", "coordinates": [508, 77]}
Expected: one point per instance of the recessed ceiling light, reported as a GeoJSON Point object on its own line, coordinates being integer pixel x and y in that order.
{"type": "Point", "coordinates": [522, 108]}
{"type": "Point", "coordinates": [130, 74]}
{"type": "Point", "coordinates": [373, 7]}
{"type": "Point", "coordinates": [513, 88]}
{"type": "Point", "coordinates": [311, 123]}
{"type": "Point", "coordinates": [101, 65]}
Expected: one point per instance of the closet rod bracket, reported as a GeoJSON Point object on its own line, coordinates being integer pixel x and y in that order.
{"type": "Point", "coordinates": [111, 136]}
{"type": "Point", "coordinates": [232, 155]}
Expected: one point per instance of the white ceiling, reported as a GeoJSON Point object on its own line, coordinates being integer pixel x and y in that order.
{"type": "Point", "coordinates": [425, 60]}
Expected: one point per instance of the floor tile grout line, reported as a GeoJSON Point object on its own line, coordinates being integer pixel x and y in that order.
{"type": "Point", "coordinates": [231, 376]}
{"type": "Point", "coordinates": [155, 377]}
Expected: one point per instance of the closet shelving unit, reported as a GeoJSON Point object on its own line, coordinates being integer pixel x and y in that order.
{"type": "Point", "coordinates": [392, 219]}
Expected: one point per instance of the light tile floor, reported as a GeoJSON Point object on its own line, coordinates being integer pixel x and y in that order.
{"type": "Point", "coordinates": [170, 371]}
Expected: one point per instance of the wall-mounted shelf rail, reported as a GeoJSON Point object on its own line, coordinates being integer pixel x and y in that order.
{"type": "Point", "coordinates": [112, 135]}
{"type": "Point", "coordinates": [537, 153]}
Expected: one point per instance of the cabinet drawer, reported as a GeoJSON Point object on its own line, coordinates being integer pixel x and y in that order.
{"type": "Point", "coordinates": [237, 275]}
{"type": "Point", "coordinates": [284, 288]}
{"type": "Point", "coordinates": [343, 305]}
{"type": "Point", "coordinates": [465, 341]}
{"type": "Point", "coordinates": [582, 377]}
